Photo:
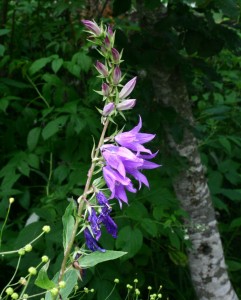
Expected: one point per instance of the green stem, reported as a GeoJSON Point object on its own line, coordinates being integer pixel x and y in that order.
{"type": "Point", "coordinates": [14, 274]}
{"type": "Point", "coordinates": [38, 92]}
{"type": "Point", "coordinates": [25, 287]}
{"type": "Point", "coordinates": [81, 202]}
{"type": "Point", "coordinates": [4, 224]}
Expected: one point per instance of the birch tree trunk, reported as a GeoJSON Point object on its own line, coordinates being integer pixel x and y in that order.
{"type": "Point", "coordinates": [206, 257]}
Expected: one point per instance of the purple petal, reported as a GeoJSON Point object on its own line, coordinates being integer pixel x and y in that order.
{"type": "Point", "coordinates": [127, 88]}
{"type": "Point", "coordinates": [92, 26]}
{"type": "Point", "coordinates": [91, 242]}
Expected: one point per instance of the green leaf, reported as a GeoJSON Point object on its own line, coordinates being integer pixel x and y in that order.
{"type": "Point", "coordinates": [4, 31]}
{"type": "Point", "coordinates": [53, 127]}
{"type": "Point", "coordinates": [57, 64]}
{"type": "Point", "coordinates": [39, 64]}
{"type": "Point", "coordinates": [129, 240]}
{"type": "Point", "coordinates": [33, 137]}
{"type": "Point", "coordinates": [235, 223]}
{"type": "Point", "coordinates": [226, 144]}
{"type": "Point", "coordinates": [97, 257]}
{"type": "Point", "coordinates": [83, 60]}
{"type": "Point", "coordinates": [233, 265]}
{"type": "Point", "coordinates": [68, 223]}
{"type": "Point", "coordinates": [43, 280]}
{"type": "Point", "coordinates": [2, 50]}
{"type": "Point", "coordinates": [149, 226]}
{"type": "Point", "coordinates": [178, 257]}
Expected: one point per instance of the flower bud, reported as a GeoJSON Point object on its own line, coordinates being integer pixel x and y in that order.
{"type": "Point", "coordinates": [14, 296]}
{"type": "Point", "coordinates": [116, 75]}
{"type": "Point", "coordinates": [11, 200]}
{"type": "Point", "coordinates": [46, 229]}
{"type": "Point", "coordinates": [107, 42]}
{"type": "Point", "coordinates": [126, 104]}
{"type": "Point", "coordinates": [32, 271]}
{"type": "Point", "coordinates": [45, 259]}
{"type": "Point", "coordinates": [101, 68]}
{"type": "Point", "coordinates": [92, 26]}
{"type": "Point", "coordinates": [9, 291]}
{"type": "Point", "coordinates": [105, 89]}
{"type": "Point", "coordinates": [108, 108]}
{"type": "Point", "coordinates": [21, 251]}
{"type": "Point", "coordinates": [62, 284]}
{"type": "Point", "coordinates": [54, 291]}
{"type": "Point", "coordinates": [127, 88]}
{"type": "Point", "coordinates": [28, 248]}
{"type": "Point", "coordinates": [110, 31]}
{"type": "Point", "coordinates": [115, 55]}
{"type": "Point", "coordinates": [116, 280]}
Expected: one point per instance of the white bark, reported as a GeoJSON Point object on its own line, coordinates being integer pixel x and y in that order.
{"type": "Point", "coordinates": [206, 257]}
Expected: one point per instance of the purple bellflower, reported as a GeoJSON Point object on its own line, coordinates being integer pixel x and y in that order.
{"type": "Point", "coordinates": [126, 104]}
{"type": "Point", "coordinates": [95, 222]}
{"type": "Point", "coordinates": [108, 108]}
{"type": "Point", "coordinates": [102, 69]}
{"type": "Point", "coordinates": [133, 139]}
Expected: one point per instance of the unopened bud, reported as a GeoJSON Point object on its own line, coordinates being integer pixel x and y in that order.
{"type": "Point", "coordinates": [107, 42]}
{"type": "Point", "coordinates": [44, 258]}
{"type": "Point", "coordinates": [92, 26]}
{"type": "Point", "coordinates": [108, 108]}
{"type": "Point", "coordinates": [102, 69]}
{"type": "Point", "coordinates": [116, 280]}
{"type": "Point", "coordinates": [46, 229]}
{"type": "Point", "coordinates": [127, 88]}
{"type": "Point", "coordinates": [28, 248]}
{"type": "Point", "coordinates": [11, 200]}
{"type": "Point", "coordinates": [54, 291]}
{"type": "Point", "coordinates": [116, 75]}
{"type": "Point", "coordinates": [62, 284]}
{"type": "Point", "coordinates": [115, 55]}
{"type": "Point", "coordinates": [9, 291]}
{"type": "Point", "coordinates": [32, 271]}
{"type": "Point", "coordinates": [14, 296]}
{"type": "Point", "coordinates": [105, 89]}
{"type": "Point", "coordinates": [126, 104]}
{"type": "Point", "coordinates": [21, 251]}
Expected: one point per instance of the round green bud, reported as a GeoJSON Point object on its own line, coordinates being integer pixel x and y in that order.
{"type": "Point", "coordinates": [129, 286]}
{"type": "Point", "coordinates": [116, 280]}
{"type": "Point", "coordinates": [136, 280]}
{"type": "Point", "coordinates": [21, 251]}
{"type": "Point", "coordinates": [11, 200]}
{"type": "Point", "coordinates": [46, 229]}
{"type": "Point", "coordinates": [44, 258]}
{"type": "Point", "coordinates": [149, 288]}
{"type": "Point", "coordinates": [62, 284]}
{"type": "Point", "coordinates": [159, 296]}
{"type": "Point", "coordinates": [14, 296]}
{"type": "Point", "coordinates": [86, 290]}
{"type": "Point", "coordinates": [54, 291]}
{"type": "Point", "coordinates": [32, 271]}
{"type": "Point", "coordinates": [92, 290]}
{"type": "Point", "coordinates": [160, 287]}
{"type": "Point", "coordinates": [22, 281]}
{"type": "Point", "coordinates": [137, 291]}
{"type": "Point", "coordinates": [9, 291]}
{"type": "Point", "coordinates": [28, 248]}
{"type": "Point", "coordinates": [25, 296]}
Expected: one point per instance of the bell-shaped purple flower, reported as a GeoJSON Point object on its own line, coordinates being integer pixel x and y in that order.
{"type": "Point", "coordinates": [133, 139]}
{"type": "Point", "coordinates": [102, 69]}
{"type": "Point", "coordinates": [94, 224]}
{"type": "Point", "coordinates": [108, 108]}
{"type": "Point", "coordinates": [126, 104]}
{"type": "Point", "coordinates": [116, 75]}
{"type": "Point", "coordinates": [91, 242]}
{"type": "Point", "coordinates": [92, 26]}
{"type": "Point", "coordinates": [127, 88]}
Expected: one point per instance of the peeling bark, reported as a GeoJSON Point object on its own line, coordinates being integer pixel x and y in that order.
{"type": "Point", "coordinates": [206, 257]}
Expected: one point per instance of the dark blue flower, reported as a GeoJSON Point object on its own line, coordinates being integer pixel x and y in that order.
{"type": "Point", "coordinates": [91, 242]}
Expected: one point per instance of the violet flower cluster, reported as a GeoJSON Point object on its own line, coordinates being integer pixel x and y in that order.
{"type": "Point", "coordinates": [125, 159]}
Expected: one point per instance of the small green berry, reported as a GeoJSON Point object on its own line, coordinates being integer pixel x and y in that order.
{"type": "Point", "coordinates": [62, 284]}
{"type": "Point", "coordinates": [14, 296]}
{"type": "Point", "coordinates": [149, 288]}
{"type": "Point", "coordinates": [137, 291]}
{"type": "Point", "coordinates": [46, 229]}
{"type": "Point", "coordinates": [32, 271]}
{"type": "Point", "coordinates": [92, 290]}
{"type": "Point", "coordinates": [28, 248]}
{"type": "Point", "coordinates": [44, 258]}
{"type": "Point", "coordinates": [11, 200]}
{"type": "Point", "coordinates": [54, 291]}
{"type": "Point", "coordinates": [136, 280]}
{"type": "Point", "coordinates": [116, 280]}
{"type": "Point", "coordinates": [9, 291]}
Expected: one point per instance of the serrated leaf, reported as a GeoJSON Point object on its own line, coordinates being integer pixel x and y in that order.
{"type": "Point", "coordinates": [57, 64]}
{"type": "Point", "coordinates": [33, 137]}
{"type": "Point", "coordinates": [68, 223]}
{"type": "Point", "coordinates": [97, 257]}
{"type": "Point", "coordinates": [43, 280]}
{"type": "Point", "coordinates": [39, 64]}
{"type": "Point", "coordinates": [53, 127]}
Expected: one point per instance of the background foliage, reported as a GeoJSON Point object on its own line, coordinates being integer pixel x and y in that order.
{"type": "Point", "coordinates": [48, 121]}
